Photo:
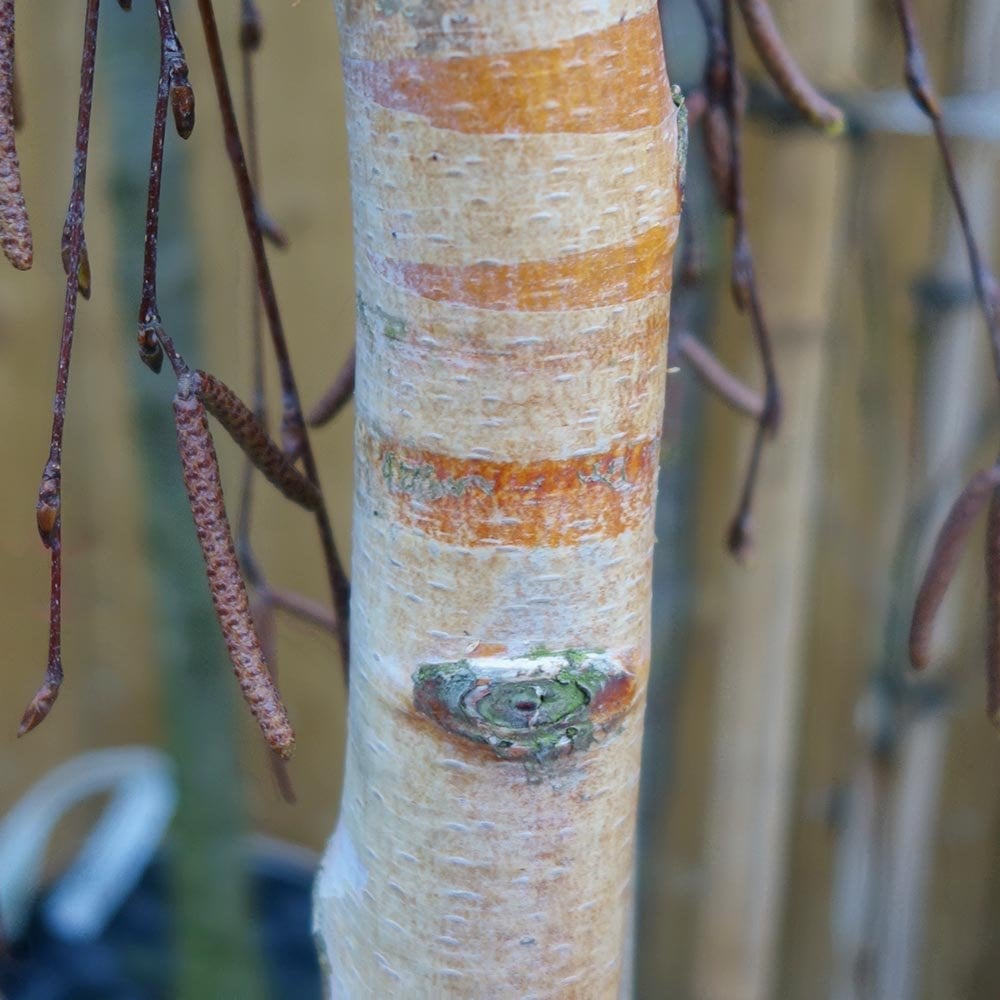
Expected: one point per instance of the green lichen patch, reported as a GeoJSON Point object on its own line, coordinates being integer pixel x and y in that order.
{"type": "Point", "coordinates": [533, 709]}
{"type": "Point", "coordinates": [375, 319]}
{"type": "Point", "coordinates": [421, 480]}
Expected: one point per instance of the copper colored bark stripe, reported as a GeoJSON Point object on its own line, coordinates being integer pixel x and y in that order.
{"type": "Point", "coordinates": [609, 276]}
{"type": "Point", "coordinates": [546, 503]}
{"type": "Point", "coordinates": [608, 81]}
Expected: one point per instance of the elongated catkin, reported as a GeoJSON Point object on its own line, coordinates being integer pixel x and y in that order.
{"type": "Point", "coordinates": [229, 595]}
{"type": "Point", "coordinates": [244, 428]}
{"type": "Point", "coordinates": [948, 548]}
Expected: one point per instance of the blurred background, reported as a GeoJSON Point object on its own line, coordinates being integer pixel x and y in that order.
{"type": "Point", "coordinates": [815, 821]}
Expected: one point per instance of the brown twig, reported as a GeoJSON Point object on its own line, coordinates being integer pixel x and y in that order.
{"type": "Point", "coordinates": [301, 607]}
{"type": "Point", "coordinates": [49, 506]}
{"type": "Point", "coordinates": [922, 91]}
{"type": "Point", "coordinates": [229, 595]}
{"type": "Point", "coordinates": [713, 374]}
{"type": "Point", "coordinates": [294, 431]}
{"type": "Point", "coordinates": [45, 697]}
{"type": "Point", "coordinates": [723, 119]}
{"type": "Point", "coordinates": [271, 231]}
{"type": "Point", "coordinates": [337, 396]}
{"type": "Point", "coordinates": [251, 35]}
{"type": "Point", "coordinates": [784, 70]}
{"type": "Point", "coordinates": [944, 561]}
{"type": "Point", "coordinates": [15, 229]}
{"type": "Point", "coordinates": [152, 337]}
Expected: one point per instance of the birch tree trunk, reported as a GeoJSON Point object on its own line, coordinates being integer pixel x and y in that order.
{"type": "Point", "coordinates": [515, 173]}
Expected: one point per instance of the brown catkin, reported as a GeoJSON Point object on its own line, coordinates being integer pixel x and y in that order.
{"type": "Point", "coordinates": [784, 70]}
{"type": "Point", "coordinates": [944, 561]}
{"type": "Point", "coordinates": [245, 429]}
{"type": "Point", "coordinates": [15, 229]}
{"type": "Point", "coordinates": [229, 595]}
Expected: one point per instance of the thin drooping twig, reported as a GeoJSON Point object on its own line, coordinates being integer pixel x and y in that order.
{"type": "Point", "coordinates": [15, 229]}
{"type": "Point", "coordinates": [715, 376]}
{"type": "Point", "coordinates": [784, 70]}
{"type": "Point", "coordinates": [45, 697]}
{"type": "Point", "coordinates": [229, 595]}
{"type": "Point", "coordinates": [49, 507]}
{"type": "Point", "coordinates": [944, 560]}
{"type": "Point", "coordinates": [271, 231]}
{"type": "Point", "coordinates": [244, 428]}
{"type": "Point", "coordinates": [723, 129]}
{"type": "Point", "coordinates": [922, 91]}
{"type": "Point", "coordinates": [301, 607]}
{"type": "Point", "coordinates": [337, 396]}
{"type": "Point", "coordinates": [173, 79]}
{"type": "Point", "coordinates": [251, 35]}
{"type": "Point", "coordinates": [294, 431]}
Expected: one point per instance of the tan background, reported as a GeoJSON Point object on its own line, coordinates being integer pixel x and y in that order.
{"type": "Point", "coordinates": [868, 391]}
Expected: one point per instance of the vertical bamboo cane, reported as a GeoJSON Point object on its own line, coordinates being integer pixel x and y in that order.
{"type": "Point", "coordinates": [766, 607]}
{"type": "Point", "coordinates": [951, 405]}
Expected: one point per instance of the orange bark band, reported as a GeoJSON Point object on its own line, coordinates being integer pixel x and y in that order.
{"type": "Point", "coordinates": [546, 503]}
{"type": "Point", "coordinates": [607, 276]}
{"type": "Point", "coordinates": [607, 81]}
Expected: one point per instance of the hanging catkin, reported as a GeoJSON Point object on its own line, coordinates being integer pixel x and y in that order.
{"type": "Point", "coordinates": [204, 489]}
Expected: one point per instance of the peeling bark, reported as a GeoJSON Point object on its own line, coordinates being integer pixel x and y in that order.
{"type": "Point", "coordinates": [516, 208]}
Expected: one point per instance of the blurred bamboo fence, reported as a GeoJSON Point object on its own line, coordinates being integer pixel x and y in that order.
{"type": "Point", "coordinates": [766, 749]}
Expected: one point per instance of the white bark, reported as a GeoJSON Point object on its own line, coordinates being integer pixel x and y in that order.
{"type": "Point", "coordinates": [515, 202]}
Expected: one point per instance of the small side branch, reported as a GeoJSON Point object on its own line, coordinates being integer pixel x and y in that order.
{"type": "Point", "coordinates": [716, 377]}
{"type": "Point", "coordinates": [309, 611]}
{"type": "Point", "coordinates": [784, 70]}
{"type": "Point", "coordinates": [337, 396]}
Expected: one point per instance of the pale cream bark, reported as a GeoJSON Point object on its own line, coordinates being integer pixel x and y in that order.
{"type": "Point", "coordinates": [515, 183]}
